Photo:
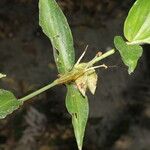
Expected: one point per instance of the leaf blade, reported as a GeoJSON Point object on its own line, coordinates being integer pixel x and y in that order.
{"type": "Point", "coordinates": [8, 103]}
{"type": "Point", "coordinates": [2, 75]}
{"type": "Point", "coordinates": [78, 107]}
{"type": "Point", "coordinates": [130, 53]}
{"type": "Point", "coordinates": [55, 26]}
{"type": "Point", "coordinates": [137, 23]}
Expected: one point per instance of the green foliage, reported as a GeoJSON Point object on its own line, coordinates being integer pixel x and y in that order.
{"type": "Point", "coordinates": [137, 24]}
{"type": "Point", "coordinates": [80, 76]}
{"type": "Point", "coordinates": [2, 75]}
{"type": "Point", "coordinates": [78, 107]}
{"type": "Point", "coordinates": [136, 31]}
{"type": "Point", "coordinates": [8, 103]}
{"type": "Point", "coordinates": [130, 53]}
{"type": "Point", "coordinates": [55, 26]}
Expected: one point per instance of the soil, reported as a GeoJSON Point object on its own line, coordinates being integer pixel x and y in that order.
{"type": "Point", "coordinates": [119, 111]}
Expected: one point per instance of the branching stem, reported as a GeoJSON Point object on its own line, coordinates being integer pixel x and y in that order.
{"type": "Point", "coordinates": [58, 81]}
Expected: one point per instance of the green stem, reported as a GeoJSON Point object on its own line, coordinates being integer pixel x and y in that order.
{"type": "Point", "coordinates": [97, 59]}
{"type": "Point", "coordinates": [54, 83]}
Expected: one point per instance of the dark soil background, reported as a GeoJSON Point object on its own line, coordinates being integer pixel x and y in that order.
{"type": "Point", "coordinates": [120, 109]}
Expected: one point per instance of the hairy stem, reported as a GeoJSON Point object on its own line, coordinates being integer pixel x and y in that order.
{"type": "Point", "coordinates": [54, 83]}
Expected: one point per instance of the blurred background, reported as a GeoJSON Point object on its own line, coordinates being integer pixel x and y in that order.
{"type": "Point", "coordinates": [120, 109]}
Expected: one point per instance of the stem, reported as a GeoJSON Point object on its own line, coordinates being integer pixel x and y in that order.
{"type": "Point", "coordinates": [54, 83]}
{"type": "Point", "coordinates": [97, 59]}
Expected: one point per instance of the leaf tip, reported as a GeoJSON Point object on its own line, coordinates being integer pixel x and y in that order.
{"type": "Point", "coordinates": [2, 75]}
{"type": "Point", "coordinates": [80, 147]}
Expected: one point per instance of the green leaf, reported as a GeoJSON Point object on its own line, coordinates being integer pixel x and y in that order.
{"type": "Point", "coordinates": [55, 26]}
{"type": "Point", "coordinates": [2, 75]}
{"type": "Point", "coordinates": [137, 24]}
{"type": "Point", "coordinates": [78, 107]}
{"type": "Point", "coordinates": [8, 103]}
{"type": "Point", "coordinates": [130, 53]}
